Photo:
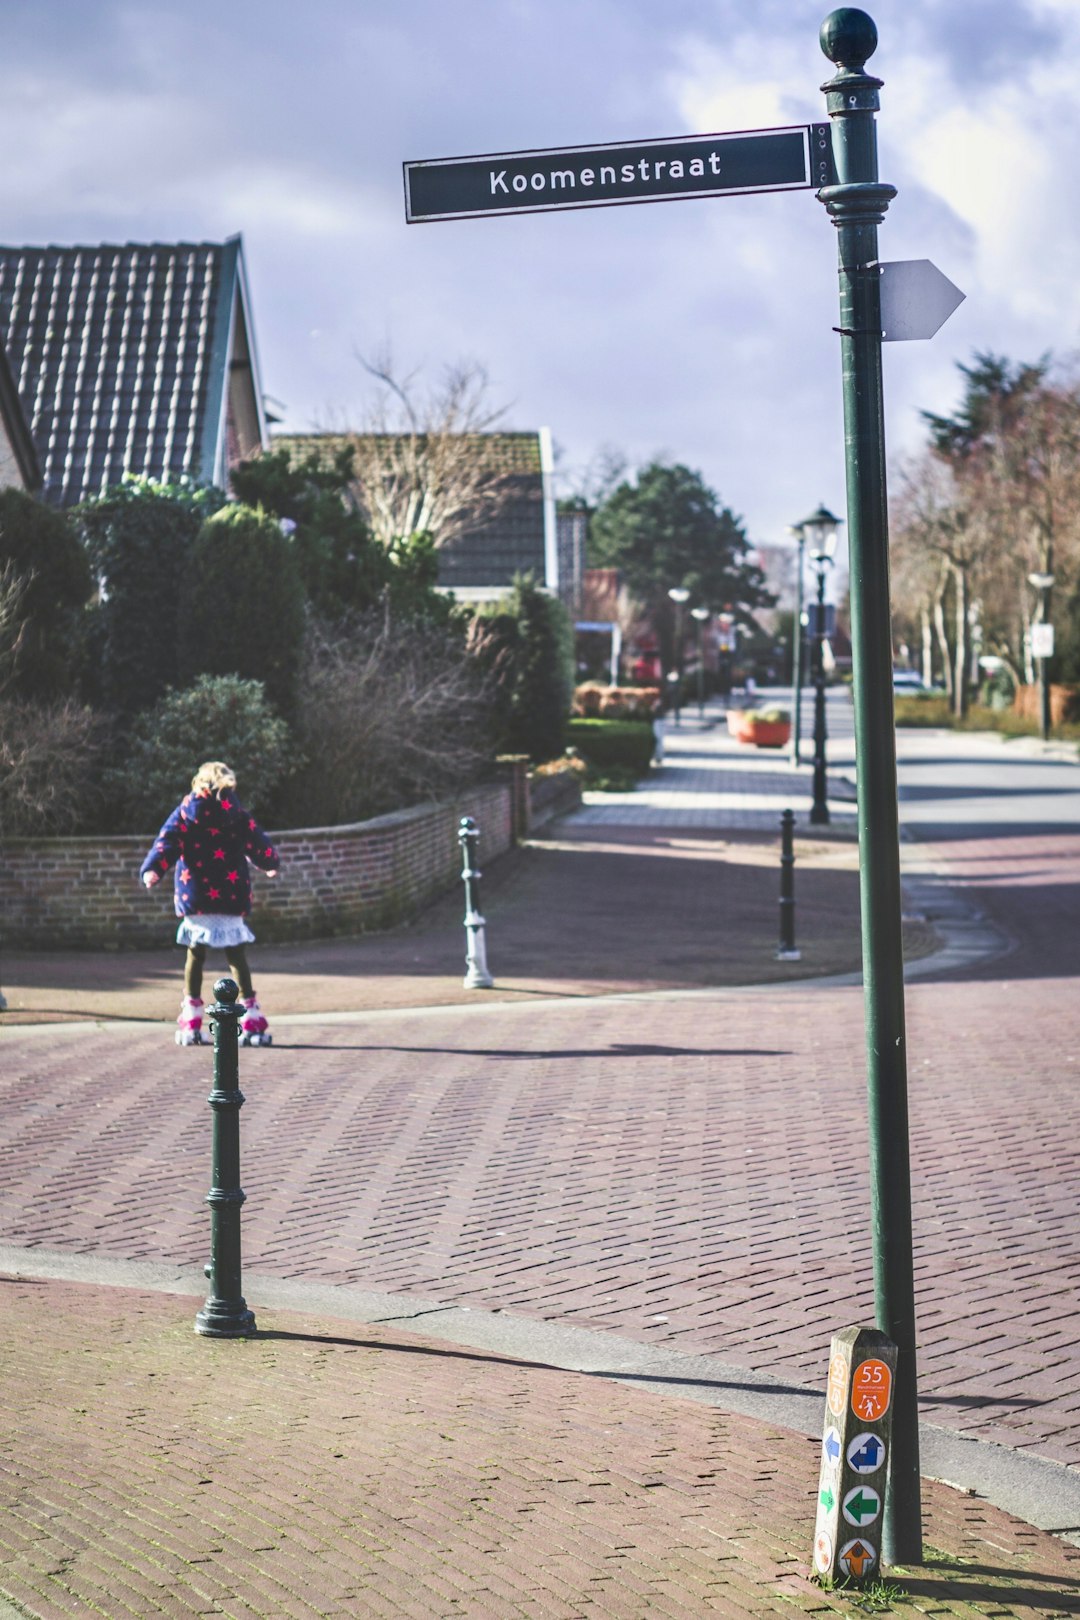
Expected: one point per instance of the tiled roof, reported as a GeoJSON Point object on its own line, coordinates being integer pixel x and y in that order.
{"type": "Point", "coordinates": [121, 358]}
{"type": "Point", "coordinates": [510, 542]}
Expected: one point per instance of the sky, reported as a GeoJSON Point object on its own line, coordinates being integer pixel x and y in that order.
{"type": "Point", "coordinates": [699, 331]}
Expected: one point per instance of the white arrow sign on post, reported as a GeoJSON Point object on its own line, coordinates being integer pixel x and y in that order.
{"type": "Point", "coordinates": [916, 300]}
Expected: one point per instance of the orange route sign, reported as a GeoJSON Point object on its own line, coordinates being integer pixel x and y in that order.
{"type": "Point", "coordinates": [871, 1389]}
{"type": "Point", "coordinates": [836, 1391]}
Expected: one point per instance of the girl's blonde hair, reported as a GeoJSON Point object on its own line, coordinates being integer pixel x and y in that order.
{"type": "Point", "coordinates": [213, 777]}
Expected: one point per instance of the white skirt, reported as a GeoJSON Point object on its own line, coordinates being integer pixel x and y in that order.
{"type": "Point", "coordinates": [204, 928]}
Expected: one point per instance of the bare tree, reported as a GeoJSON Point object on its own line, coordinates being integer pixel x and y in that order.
{"type": "Point", "coordinates": [423, 462]}
{"type": "Point", "coordinates": [386, 717]}
{"type": "Point", "coordinates": [13, 622]}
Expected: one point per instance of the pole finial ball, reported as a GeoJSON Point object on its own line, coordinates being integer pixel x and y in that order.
{"type": "Point", "coordinates": [227, 991]}
{"type": "Point", "coordinates": [848, 37]}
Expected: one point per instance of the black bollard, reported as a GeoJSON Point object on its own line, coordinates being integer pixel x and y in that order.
{"type": "Point", "coordinates": [225, 1314]}
{"type": "Point", "coordinates": [787, 951]}
{"type": "Point", "coordinates": [477, 976]}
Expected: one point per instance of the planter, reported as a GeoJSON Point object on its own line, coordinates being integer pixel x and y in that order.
{"type": "Point", "coordinates": [747, 727]}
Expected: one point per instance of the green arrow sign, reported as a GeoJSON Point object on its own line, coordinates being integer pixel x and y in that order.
{"type": "Point", "coordinates": [861, 1505]}
{"type": "Point", "coordinates": [827, 1500]}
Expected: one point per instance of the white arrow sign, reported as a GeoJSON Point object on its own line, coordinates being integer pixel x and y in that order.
{"type": "Point", "coordinates": [916, 300]}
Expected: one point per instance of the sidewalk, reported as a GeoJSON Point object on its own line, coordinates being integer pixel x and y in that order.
{"type": "Point", "coordinates": [633, 1192]}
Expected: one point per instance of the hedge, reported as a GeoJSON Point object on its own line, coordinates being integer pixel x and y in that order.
{"type": "Point", "coordinates": [607, 743]}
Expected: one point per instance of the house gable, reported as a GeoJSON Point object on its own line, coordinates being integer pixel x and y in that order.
{"type": "Point", "coordinates": [122, 356]}
{"type": "Point", "coordinates": [518, 536]}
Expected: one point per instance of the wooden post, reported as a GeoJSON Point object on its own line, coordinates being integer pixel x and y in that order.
{"type": "Point", "coordinates": [855, 1456]}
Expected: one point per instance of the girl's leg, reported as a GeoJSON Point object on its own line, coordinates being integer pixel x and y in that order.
{"type": "Point", "coordinates": [193, 971]}
{"type": "Point", "coordinates": [236, 956]}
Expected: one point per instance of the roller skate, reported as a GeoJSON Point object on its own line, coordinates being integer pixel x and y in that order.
{"type": "Point", "coordinates": [253, 1026]}
{"type": "Point", "coordinates": [189, 1024]}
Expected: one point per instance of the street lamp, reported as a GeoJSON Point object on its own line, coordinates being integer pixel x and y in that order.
{"type": "Point", "coordinates": [1042, 646]}
{"type": "Point", "coordinates": [820, 529]}
{"type": "Point", "coordinates": [702, 615]}
{"type": "Point", "coordinates": [680, 596]}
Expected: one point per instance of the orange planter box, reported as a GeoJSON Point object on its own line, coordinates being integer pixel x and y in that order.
{"type": "Point", "coordinates": [746, 728]}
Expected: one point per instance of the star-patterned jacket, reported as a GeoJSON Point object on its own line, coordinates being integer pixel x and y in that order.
{"type": "Point", "coordinates": [210, 839]}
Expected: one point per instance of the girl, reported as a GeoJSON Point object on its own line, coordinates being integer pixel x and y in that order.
{"type": "Point", "coordinates": [210, 838]}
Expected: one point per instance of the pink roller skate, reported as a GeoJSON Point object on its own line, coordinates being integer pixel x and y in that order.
{"type": "Point", "coordinates": [189, 1024]}
{"type": "Point", "coordinates": [253, 1026]}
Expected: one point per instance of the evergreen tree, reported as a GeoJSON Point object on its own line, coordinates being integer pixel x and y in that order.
{"type": "Point", "coordinates": [669, 529]}
{"type": "Point", "coordinates": [45, 567]}
{"type": "Point", "coordinates": [526, 644]}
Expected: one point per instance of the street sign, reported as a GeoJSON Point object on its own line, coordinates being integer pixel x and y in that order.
{"type": "Point", "coordinates": [1042, 640]}
{"type": "Point", "coordinates": [916, 300]}
{"type": "Point", "coordinates": [861, 1506]}
{"type": "Point", "coordinates": [562, 177]}
{"type": "Point", "coordinates": [857, 1559]}
{"type": "Point", "coordinates": [871, 1390]}
{"type": "Point", "coordinates": [865, 1454]}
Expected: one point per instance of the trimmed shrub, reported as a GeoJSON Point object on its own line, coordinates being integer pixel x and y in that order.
{"type": "Point", "coordinates": [219, 717]}
{"type": "Point", "coordinates": [139, 536]}
{"type": "Point", "coordinates": [593, 698]}
{"type": "Point", "coordinates": [242, 604]}
{"type": "Point", "coordinates": [606, 744]}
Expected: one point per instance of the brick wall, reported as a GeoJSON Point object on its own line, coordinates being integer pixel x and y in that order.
{"type": "Point", "coordinates": [58, 892]}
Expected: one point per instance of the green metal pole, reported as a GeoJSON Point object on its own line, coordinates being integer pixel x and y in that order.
{"type": "Point", "coordinates": [857, 205]}
{"type": "Point", "coordinates": [225, 1314]}
{"type": "Point", "coordinates": [819, 809]}
{"type": "Point", "coordinates": [796, 660]}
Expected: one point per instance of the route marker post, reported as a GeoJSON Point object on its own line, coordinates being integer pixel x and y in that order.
{"type": "Point", "coordinates": [857, 205]}
{"type": "Point", "coordinates": [855, 1456]}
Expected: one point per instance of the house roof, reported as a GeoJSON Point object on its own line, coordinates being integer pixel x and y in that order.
{"type": "Point", "coordinates": [517, 538]}
{"type": "Point", "coordinates": [125, 360]}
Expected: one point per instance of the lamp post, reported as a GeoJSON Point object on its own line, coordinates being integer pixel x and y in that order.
{"type": "Point", "coordinates": [820, 529]}
{"type": "Point", "coordinates": [702, 615]}
{"type": "Point", "coordinates": [680, 596]}
{"type": "Point", "coordinates": [1042, 646]}
{"type": "Point", "coordinates": [796, 529]}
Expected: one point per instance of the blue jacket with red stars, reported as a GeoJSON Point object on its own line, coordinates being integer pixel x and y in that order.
{"type": "Point", "coordinates": [210, 841]}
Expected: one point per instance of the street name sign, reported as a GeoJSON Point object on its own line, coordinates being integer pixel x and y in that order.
{"type": "Point", "coordinates": [563, 177]}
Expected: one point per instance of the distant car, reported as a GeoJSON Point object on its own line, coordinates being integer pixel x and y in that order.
{"type": "Point", "coordinates": [907, 680]}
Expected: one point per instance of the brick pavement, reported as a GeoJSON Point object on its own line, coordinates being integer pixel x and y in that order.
{"type": "Point", "coordinates": [695, 1174]}
{"type": "Point", "coordinates": [325, 1470]}
{"type": "Point", "coordinates": [684, 1169]}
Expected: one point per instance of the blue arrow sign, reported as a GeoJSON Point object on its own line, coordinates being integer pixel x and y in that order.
{"type": "Point", "coordinates": [866, 1453]}
{"type": "Point", "coordinates": [832, 1445]}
